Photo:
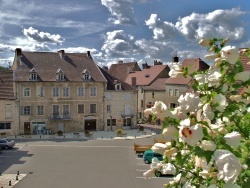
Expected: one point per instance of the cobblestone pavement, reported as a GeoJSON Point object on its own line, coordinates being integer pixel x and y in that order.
{"type": "Point", "coordinates": [9, 180]}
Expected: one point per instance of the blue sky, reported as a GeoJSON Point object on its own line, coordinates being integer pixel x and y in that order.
{"type": "Point", "coordinates": [128, 30]}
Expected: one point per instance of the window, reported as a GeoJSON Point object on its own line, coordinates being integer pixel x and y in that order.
{"type": "Point", "coordinates": [40, 110]}
{"type": "Point", "coordinates": [173, 105]}
{"type": "Point", "coordinates": [92, 108]}
{"type": "Point", "coordinates": [176, 92]}
{"type": "Point", "coordinates": [65, 111]}
{"type": "Point", "coordinates": [113, 122]}
{"type": "Point", "coordinates": [108, 108]}
{"type": "Point", "coordinates": [80, 91]}
{"type": "Point", "coordinates": [26, 110]}
{"type": "Point", "coordinates": [65, 92]}
{"type": "Point", "coordinates": [171, 92]}
{"type": "Point", "coordinates": [86, 75]}
{"type": "Point", "coordinates": [55, 92]}
{"type": "Point", "coordinates": [8, 111]}
{"type": "Point", "coordinates": [118, 86]}
{"type": "Point", "coordinates": [26, 92]}
{"type": "Point", "coordinates": [80, 109]}
{"type": "Point", "coordinates": [4, 126]}
{"type": "Point", "coordinates": [33, 74]}
{"type": "Point", "coordinates": [60, 75]}
{"type": "Point", "coordinates": [40, 92]}
{"type": "Point", "coordinates": [55, 110]}
{"type": "Point", "coordinates": [92, 91]}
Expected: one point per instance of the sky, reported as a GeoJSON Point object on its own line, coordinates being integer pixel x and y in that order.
{"type": "Point", "coordinates": [127, 30]}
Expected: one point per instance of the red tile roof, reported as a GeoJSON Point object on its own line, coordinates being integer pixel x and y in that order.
{"type": "Point", "coordinates": [178, 81]}
{"type": "Point", "coordinates": [157, 85]}
{"type": "Point", "coordinates": [46, 64]}
{"type": "Point", "coordinates": [146, 76]}
{"type": "Point", "coordinates": [122, 70]}
{"type": "Point", "coordinates": [195, 64]}
{"type": "Point", "coordinates": [6, 85]}
{"type": "Point", "coordinates": [111, 82]}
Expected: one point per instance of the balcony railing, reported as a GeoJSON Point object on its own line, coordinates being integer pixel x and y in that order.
{"type": "Point", "coordinates": [60, 117]}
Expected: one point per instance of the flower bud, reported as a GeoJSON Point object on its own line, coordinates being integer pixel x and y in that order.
{"type": "Point", "coordinates": [204, 42]}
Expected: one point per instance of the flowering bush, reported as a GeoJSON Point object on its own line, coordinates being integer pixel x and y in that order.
{"type": "Point", "coordinates": [209, 131]}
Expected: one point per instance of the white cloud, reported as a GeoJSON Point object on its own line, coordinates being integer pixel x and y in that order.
{"type": "Point", "coordinates": [122, 10]}
{"type": "Point", "coordinates": [119, 44]}
{"type": "Point", "coordinates": [161, 30]}
{"type": "Point", "coordinates": [219, 23]}
{"type": "Point", "coordinates": [37, 36]}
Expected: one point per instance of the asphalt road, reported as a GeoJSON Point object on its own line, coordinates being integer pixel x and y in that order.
{"type": "Point", "coordinates": [74, 164]}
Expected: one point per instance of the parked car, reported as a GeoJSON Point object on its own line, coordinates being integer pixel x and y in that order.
{"type": "Point", "coordinates": [149, 155]}
{"type": "Point", "coordinates": [7, 143]}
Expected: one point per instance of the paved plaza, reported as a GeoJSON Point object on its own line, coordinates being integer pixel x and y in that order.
{"type": "Point", "coordinates": [46, 162]}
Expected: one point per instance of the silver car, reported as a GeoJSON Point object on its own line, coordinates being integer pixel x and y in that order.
{"type": "Point", "coordinates": [6, 143]}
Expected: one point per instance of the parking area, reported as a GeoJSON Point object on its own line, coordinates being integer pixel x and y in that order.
{"type": "Point", "coordinates": [46, 163]}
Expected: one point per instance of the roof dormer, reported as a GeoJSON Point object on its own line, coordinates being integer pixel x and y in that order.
{"type": "Point", "coordinates": [86, 75]}
{"type": "Point", "coordinates": [59, 75]}
{"type": "Point", "coordinates": [118, 85]}
{"type": "Point", "coordinates": [33, 75]}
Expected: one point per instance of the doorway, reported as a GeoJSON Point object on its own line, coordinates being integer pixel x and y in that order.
{"type": "Point", "coordinates": [27, 129]}
{"type": "Point", "coordinates": [90, 124]}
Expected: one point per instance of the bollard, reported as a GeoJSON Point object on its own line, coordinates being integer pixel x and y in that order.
{"type": "Point", "coordinates": [16, 177]}
{"type": "Point", "coordinates": [10, 183]}
{"type": "Point", "coordinates": [17, 172]}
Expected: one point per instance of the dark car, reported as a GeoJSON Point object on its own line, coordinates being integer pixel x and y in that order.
{"type": "Point", "coordinates": [6, 143]}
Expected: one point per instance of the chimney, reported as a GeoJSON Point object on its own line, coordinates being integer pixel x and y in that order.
{"type": "Point", "coordinates": [18, 53]}
{"type": "Point", "coordinates": [133, 81]}
{"type": "Point", "coordinates": [175, 59]}
{"type": "Point", "coordinates": [105, 68]}
{"type": "Point", "coordinates": [88, 54]}
{"type": "Point", "coordinates": [144, 65]}
{"type": "Point", "coordinates": [61, 53]}
{"type": "Point", "coordinates": [157, 62]}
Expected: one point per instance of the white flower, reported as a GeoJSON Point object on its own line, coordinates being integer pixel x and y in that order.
{"type": "Point", "coordinates": [214, 77]}
{"type": "Point", "coordinates": [179, 113]}
{"type": "Point", "coordinates": [191, 135]}
{"type": "Point", "coordinates": [221, 101]}
{"type": "Point", "coordinates": [211, 56]}
{"type": "Point", "coordinates": [208, 145]}
{"type": "Point", "coordinates": [230, 54]}
{"type": "Point", "coordinates": [170, 132]}
{"type": "Point", "coordinates": [188, 185]}
{"type": "Point", "coordinates": [176, 71]}
{"type": "Point", "coordinates": [201, 162]}
{"type": "Point", "coordinates": [149, 174]}
{"type": "Point", "coordinates": [159, 148]}
{"type": "Point", "coordinates": [228, 165]}
{"type": "Point", "coordinates": [189, 102]}
{"type": "Point", "coordinates": [207, 111]}
{"type": "Point", "coordinates": [204, 42]}
{"type": "Point", "coordinates": [213, 186]}
{"type": "Point", "coordinates": [201, 78]}
{"type": "Point", "coordinates": [160, 110]}
{"type": "Point", "coordinates": [233, 139]}
{"type": "Point", "coordinates": [230, 185]}
{"type": "Point", "coordinates": [235, 98]}
{"type": "Point", "coordinates": [242, 76]}
{"type": "Point", "coordinates": [168, 168]}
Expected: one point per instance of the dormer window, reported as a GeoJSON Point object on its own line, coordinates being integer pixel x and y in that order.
{"type": "Point", "coordinates": [86, 75]}
{"type": "Point", "coordinates": [117, 85]}
{"type": "Point", "coordinates": [33, 74]}
{"type": "Point", "coordinates": [60, 75]}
